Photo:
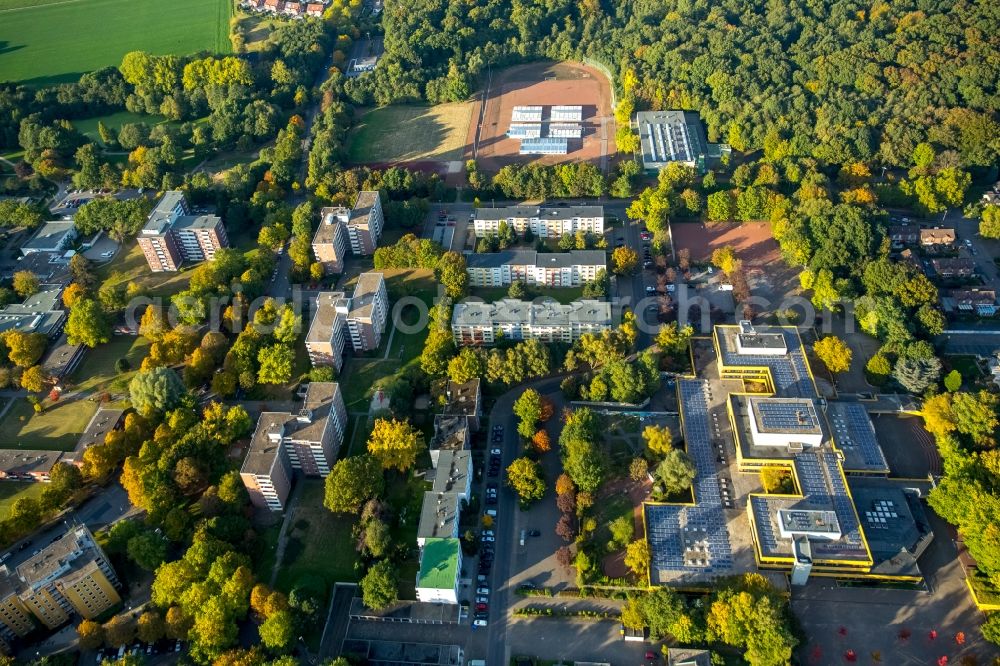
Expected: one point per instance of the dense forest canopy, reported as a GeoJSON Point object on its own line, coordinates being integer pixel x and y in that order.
{"type": "Point", "coordinates": [838, 80]}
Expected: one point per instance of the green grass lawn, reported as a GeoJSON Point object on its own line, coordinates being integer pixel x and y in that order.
{"type": "Point", "coordinates": [406, 499]}
{"type": "Point", "coordinates": [58, 428]}
{"type": "Point", "coordinates": [55, 42]}
{"type": "Point", "coordinates": [320, 542]}
{"type": "Point", "coordinates": [561, 294]}
{"type": "Point", "coordinates": [130, 265]}
{"type": "Point", "coordinates": [411, 133]}
{"type": "Point", "coordinates": [11, 491]}
{"type": "Point", "coordinates": [113, 121]}
{"type": "Point", "coordinates": [97, 369]}
{"type": "Point", "coordinates": [266, 551]}
{"type": "Point", "coordinates": [966, 365]}
{"type": "Point", "coordinates": [361, 374]}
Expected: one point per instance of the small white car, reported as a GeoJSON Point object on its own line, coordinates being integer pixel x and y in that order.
{"type": "Point", "coordinates": [479, 623]}
{"type": "Point", "coordinates": [483, 591]}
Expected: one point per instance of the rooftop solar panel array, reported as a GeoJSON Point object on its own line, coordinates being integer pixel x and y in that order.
{"type": "Point", "coordinates": [684, 538]}
{"type": "Point", "coordinates": [791, 417]}
{"type": "Point", "coordinates": [854, 434]}
{"type": "Point", "coordinates": [544, 146]}
{"type": "Point", "coordinates": [789, 372]}
{"type": "Point", "coordinates": [525, 131]}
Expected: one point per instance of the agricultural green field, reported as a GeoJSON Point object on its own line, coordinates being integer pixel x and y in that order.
{"type": "Point", "coordinates": [47, 42]}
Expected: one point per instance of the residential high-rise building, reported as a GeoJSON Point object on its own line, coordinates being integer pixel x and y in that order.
{"type": "Point", "coordinates": [369, 309]}
{"type": "Point", "coordinates": [325, 338]}
{"type": "Point", "coordinates": [266, 472]}
{"type": "Point", "coordinates": [364, 228]}
{"type": "Point", "coordinates": [70, 575]}
{"type": "Point", "coordinates": [173, 235]}
{"type": "Point", "coordinates": [306, 441]}
{"type": "Point", "coordinates": [341, 228]}
{"type": "Point", "coordinates": [330, 240]}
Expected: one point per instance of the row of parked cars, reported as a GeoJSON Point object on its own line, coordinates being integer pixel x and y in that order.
{"type": "Point", "coordinates": [487, 538]}
{"type": "Point", "coordinates": [138, 649]}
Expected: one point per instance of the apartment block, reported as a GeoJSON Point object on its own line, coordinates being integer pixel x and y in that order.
{"type": "Point", "coordinates": [543, 222]}
{"type": "Point", "coordinates": [72, 575]}
{"type": "Point", "coordinates": [173, 234]}
{"type": "Point", "coordinates": [483, 323]}
{"type": "Point", "coordinates": [306, 441]}
{"type": "Point", "coordinates": [325, 338]}
{"type": "Point", "coordinates": [364, 228]}
{"type": "Point", "coordinates": [318, 430]}
{"type": "Point", "coordinates": [357, 229]}
{"type": "Point", "coordinates": [330, 240]}
{"type": "Point", "coordinates": [267, 472]}
{"type": "Point", "coordinates": [464, 399]}
{"type": "Point", "coordinates": [369, 309]}
{"type": "Point", "coordinates": [548, 269]}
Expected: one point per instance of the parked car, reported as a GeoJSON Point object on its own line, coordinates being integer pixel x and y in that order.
{"type": "Point", "coordinates": [495, 451]}
{"type": "Point", "coordinates": [487, 539]}
{"type": "Point", "coordinates": [482, 600]}
{"type": "Point", "coordinates": [482, 607]}
{"type": "Point", "coordinates": [479, 622]}
{"type": "Point", "coordinates": [485, 591]}
{"type": "Point", "coordinates": [534, 533]}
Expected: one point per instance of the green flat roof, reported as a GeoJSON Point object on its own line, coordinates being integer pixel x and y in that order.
{"type": "Point", "coordinates": [439, 564]}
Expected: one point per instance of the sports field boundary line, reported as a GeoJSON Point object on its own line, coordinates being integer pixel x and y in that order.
{"type": "Point", "coordinates": [47, 4]}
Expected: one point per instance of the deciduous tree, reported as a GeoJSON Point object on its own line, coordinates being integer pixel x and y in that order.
{"type": "Point", "coordinates": [676, 471]}
{"type": "Point", "coordinates": [87, 324]}
{"type": "Point", "coordinates": [395, 444]}
{"type": "Point", "coordinates": [379, 586]}
{"type": "Point", "coordinates": [624, 261]}
{"type": "Point", "coordinates": [528, 408]}
{"type": "Point", "coordinates": [834, 353]}
{"type": "Point", "coordinates": [25, 283]}
{"type": "Point", "coordinates": [637, 557]}
{"type": "Point", "coordinates": [524, 475]}
{"type": "Point", "coordinates": [351, 482]}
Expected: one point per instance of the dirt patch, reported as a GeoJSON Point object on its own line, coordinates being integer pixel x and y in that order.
{"type": "Point", "coordinates": [543, 84]}
{"type": "Point", "coordinates": [752, 241]}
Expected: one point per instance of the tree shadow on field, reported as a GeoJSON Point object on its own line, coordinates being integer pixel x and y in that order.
{"type": "Point", "coordinates": [7, 47]}
{"type": "Point", "coordinates": [389, 139]}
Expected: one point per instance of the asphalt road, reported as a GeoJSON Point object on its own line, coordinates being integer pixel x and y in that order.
{"type": "Point", "coordinates": [494, 642]}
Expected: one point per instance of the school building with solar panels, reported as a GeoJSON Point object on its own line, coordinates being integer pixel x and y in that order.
{"type": "Point", "coordinates": [550, 137]}
{"type": "Point", "coordinates": [842, 516]}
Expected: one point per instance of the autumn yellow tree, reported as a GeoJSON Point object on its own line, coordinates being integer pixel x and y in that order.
{"type": "Point", "coordinates": [659, 439]}
{"type": "Point", "coordinates": [724, 258]}
{"type": "Point", "coordinates": [773, 478]}
{"type": "Point", "coordinates": [637, 557]}
{"type": "Point", "coordinates": [834, 353]}
{"type": "Point", "coordinates": [72, 293]}
{"type": "Point", "coordinates": [395, 444]}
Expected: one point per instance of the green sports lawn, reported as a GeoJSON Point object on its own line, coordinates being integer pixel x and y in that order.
{"type": "Point", "coordinates": [43, 42]}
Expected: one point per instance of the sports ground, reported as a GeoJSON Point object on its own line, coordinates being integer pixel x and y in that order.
{"type": "Point", "coordinates": [752, 241]}
{"type": "Point", "coordinates": [543, 84]}
{"type": "Point", "coordinates": [47, 42]}
{"type": "Point", "coordinates": [439, 138]}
